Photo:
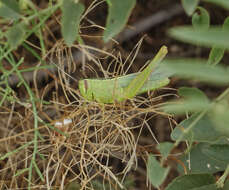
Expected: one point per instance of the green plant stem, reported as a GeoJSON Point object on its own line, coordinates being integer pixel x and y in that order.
{"type": "Point", "coordinates": [221, 96]}
{"type": "Point", "coordinates": [50, 10]}
{"type": "Point", "coordinates": [36, 132]}
{"type": "Point", "coordinates": [221, 180]}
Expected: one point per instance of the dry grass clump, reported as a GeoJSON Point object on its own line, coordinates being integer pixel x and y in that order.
{"type": "Point", "coordinates": [77, 140]}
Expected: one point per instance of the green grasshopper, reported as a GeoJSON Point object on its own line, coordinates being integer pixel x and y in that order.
{"type": "Point", "coordinates": [128, 86]}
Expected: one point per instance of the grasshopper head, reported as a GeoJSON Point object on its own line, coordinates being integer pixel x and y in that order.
{"type": "Point", "coordinates": [84, 89]}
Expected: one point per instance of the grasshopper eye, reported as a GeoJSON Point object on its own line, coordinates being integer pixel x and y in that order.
{"type": "Point", "coordinates": [85, 85]}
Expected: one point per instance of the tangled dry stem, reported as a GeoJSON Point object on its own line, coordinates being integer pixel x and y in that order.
{"type": "Point", "coordinates": [96, 135]}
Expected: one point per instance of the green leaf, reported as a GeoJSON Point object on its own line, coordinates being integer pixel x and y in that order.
{"type": "Point", "coordinates": [198, 132]}
{"type": "Point", "coordinates": [189, 6]}
{"type": "Point", "coordinates": [24, 5]}
{"type": "Point", "coordinates": [184, 106]}
{"type": "Point", "coordinates": [194, 100]}
{"type": "Point", "coordinates": [199, 70]}
{"type": "Point", "coordinates": [15, 35]}
{"type": "Point", "coordinates": [222, 3]}
{"type": "Point", "coordinates": [226, 185]}
{"type": "Point", "coordinates": [226, 23]}
{"type": "Point", "coordinates": [219, 152]}
{"type": "Point", "coordinates": [201, 19]}
{"type": "Point", "coordinates": [165, 148]}
{"type": "Point", "coordinates": [9, 9]}
{"type": "Point", "coordinates": [1, 33]}
{"type": "Point", "coordinates": [109, 2]}
{"type": "Point", "coordinates": [192, 93]}
{"type": "Point", "coordinates": [118, 14]}
{"type": "Point", "coordinates": [71, 13]}
{"type": "Point", "coordinates": [214, 36]}
{"type": "Point", "coordinates": [207, 187]}
{"type": "Point", "coordinates": [191, 181]}
{"type": "Point", "coordinates": [220, 117]}
{"type": "Point", "coordinates": [217, 54]}
{"type": "Point", "coordinates": [156, 173]}
{"type": "Point", "coordinates": [198, 162]}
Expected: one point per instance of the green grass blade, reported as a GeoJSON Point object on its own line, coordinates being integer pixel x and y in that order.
{"type": "Point", "coordinates": [8, 154]}
{"type": "Point", "coordinates": [19, 172]}
{"type": "Point", "coordinates": [38, 170]}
